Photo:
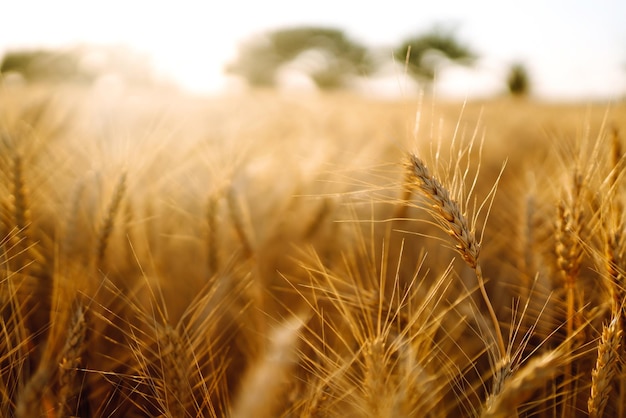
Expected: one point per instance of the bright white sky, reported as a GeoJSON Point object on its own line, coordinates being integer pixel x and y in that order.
{"type": "Point", "coordinates": [574, 49]}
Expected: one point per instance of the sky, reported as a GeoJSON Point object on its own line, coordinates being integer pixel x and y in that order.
{"type": "Point", "coordinates": [574, 50]}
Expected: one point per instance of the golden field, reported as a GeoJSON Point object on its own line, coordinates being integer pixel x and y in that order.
{"type": "Point", "coordinates": [266, 255]}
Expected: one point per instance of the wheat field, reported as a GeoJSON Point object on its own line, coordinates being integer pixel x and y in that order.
{"type": "Point", "coordinates": [266, 255]}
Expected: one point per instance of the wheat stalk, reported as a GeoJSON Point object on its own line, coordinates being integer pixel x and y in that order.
{"type": "Point", "coordinates": [321, 215]}
{"type": "Point", "coordinates": [616, 158]}
{"type": "Point", "coordinates": [527, 262]}
{"type": "Point", "coordinates": [401, 209]}
{"type": "Point", "coordinates": [613, 259]}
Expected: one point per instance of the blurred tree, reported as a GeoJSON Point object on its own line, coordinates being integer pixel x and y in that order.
{"type": "Point", "coordinates": [77, 65]}
{"type": "Point", "coordinates": [518, 80]}
{"type": "Point", "coordinates": [326, 55]}
{"type": "Point", "coordinates": [44, 65]}
{"type": "Point", "coordinates": [424, 53]}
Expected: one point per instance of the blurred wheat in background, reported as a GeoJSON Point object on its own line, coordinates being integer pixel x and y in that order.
{"type": "Point", "coordinates": [281, 256]}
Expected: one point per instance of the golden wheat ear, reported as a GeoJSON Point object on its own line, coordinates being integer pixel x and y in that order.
{"type": "Point", "coordinates": [606, 367]}
{"type": "Point", "coordinates": [175, 392]}
{"type": "Point", "coordinates": [266, 382]}
{"type": "Point", "coordinates": [108, 222]}
{"type": "Point", "coordinates": [447, 212]}
{"type": "Point", "coordinates": [526, 381]}
{"type": "Point", "coordinates": [19, 194]}
{"type": "Point", "coordinates": [213, 261]}
{"type": "Point", "coordinates": [19, 219]}
{"type": "Point", "coordinates": [236, 211]}
{"type": "Point", "coordinates": [25, 262]}
{"type": "Point", "coordinates": [569, 226]}
{"type": "Point", "coordinates": [70, 360]}
{"type": "Point", "coordinates": [33, 399]}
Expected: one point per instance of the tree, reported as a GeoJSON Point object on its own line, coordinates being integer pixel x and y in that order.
{"type": "Point", "coordinates": [518, 80]}
{"type": "Point", "coordinates": [424, 53]}
{"type": "Point", "coordinates": [326, 55]}
{"type": "Point", "coordinates": [77, 65]}
{"type": "Point", "coordinates": [44, 65]}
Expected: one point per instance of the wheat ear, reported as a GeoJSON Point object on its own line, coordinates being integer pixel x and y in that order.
{"type": "Point", "coordinates": [375, 387]}
{"type": "Point", "coordinates": [267, 381]}
{"type": "Point", "coordinates": [606, 367]}
{"type": "Point", "coordinates": [448, 215]}
{"type": "Point", "coordinates": [614, 255]}
{"type": "Point", "coordinates": [569, 255]}
{"type": "Point", "coordinates": [523, 383]}
{"type": "Point", "coordinates": [212, 234]}
{"type": "Point", "coordinates": [70, 359]}
{"type": "Point", "coordinates": [175, 363]}
{"type": "Point", "coordinates": [109, 220]}
{"type": "Point", "coordinates": [616, 158]}
{"type": "Point", "coordinates": [236, 216]}
{"type": "Point", "coordinates": [613, 227]}
{"type": "Point", "coordinates": [21, 213]}
{"type": "Point", "coordinates": [27, 253]}
{"type": "Point", "coordinates": [31, 400]}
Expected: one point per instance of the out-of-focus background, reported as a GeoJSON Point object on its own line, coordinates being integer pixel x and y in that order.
{"type": "Point", "coordinates": [212, 208]}
{"type": "Point", "coordinates": [558, 50]}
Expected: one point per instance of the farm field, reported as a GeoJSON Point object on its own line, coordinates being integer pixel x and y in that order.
{"type": "Point", "coordinates": [320, 255]}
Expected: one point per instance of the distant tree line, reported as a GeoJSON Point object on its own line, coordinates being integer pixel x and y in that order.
{"type": "Point", "coordinates": [334, 58]}
{"type": "Point", "coordinates": [327, 56]}
{"type": "Point", "coordinates": [76, 65]}
{"type": "Point", "coordinates": [424, 53]}
{"type": "Point", "coordinates": [45, 65]}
